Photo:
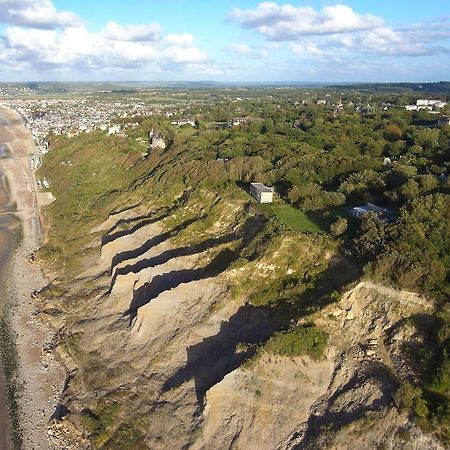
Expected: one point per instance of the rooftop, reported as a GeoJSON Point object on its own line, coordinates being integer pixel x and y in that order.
{"type": "Point", "coordinates": [261, 187]}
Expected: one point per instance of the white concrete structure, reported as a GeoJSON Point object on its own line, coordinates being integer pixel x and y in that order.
{"type": "Point", "coordinates": [113, 130]}
{"type": "Point", "coordinates": [261, 192]}
{"type": "Point", "coordinates": [157, 142]}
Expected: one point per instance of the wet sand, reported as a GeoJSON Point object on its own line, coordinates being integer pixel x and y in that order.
{"type": "Point", "coordinates": [41, 375]}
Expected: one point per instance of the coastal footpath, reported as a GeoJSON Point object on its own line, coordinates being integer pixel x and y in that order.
{"type": "Point", "coordinates": [40, 375]}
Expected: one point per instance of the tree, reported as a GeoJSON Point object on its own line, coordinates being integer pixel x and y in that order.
{"type": "Point", "coordinates": [338, 228]}
{"type": "Point", "coordinates": [426, 137]}
{"type": "Point", "coordinates": [410, 189]}
{"type": "Point", "coordinates": [392, 132]}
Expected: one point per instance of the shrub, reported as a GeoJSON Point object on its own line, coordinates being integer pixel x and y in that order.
{"type": "Point", "coordinates": [337, 228]}
{"type": "Point", "coordinates": [305, 340]}
{"type": "Point", "coordinates": [408, 398]}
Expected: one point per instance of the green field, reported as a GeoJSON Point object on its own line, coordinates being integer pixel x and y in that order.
{"type": "Point", "coordinates": [310, 222]}
{"type": "Point", "coordinates": [296, 219]}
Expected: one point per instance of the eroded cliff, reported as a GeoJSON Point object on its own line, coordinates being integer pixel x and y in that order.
{"type": "Point", "coordinates": [188, 317]}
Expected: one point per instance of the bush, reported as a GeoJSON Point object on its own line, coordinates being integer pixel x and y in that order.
{"type": "Point", "coordinates": [337, 228]}
{"type": "Point", "coordinates": [408, 398]}
{"type": "Point", "coordinates": [305, 340]}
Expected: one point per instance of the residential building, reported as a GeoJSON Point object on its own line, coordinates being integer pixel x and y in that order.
{"type": "Point", "coordinates": [182, 122]}
{"type": "Point", "coordinates": [432, 103]}
{"type": "Point", "coordinates": [382, 214]}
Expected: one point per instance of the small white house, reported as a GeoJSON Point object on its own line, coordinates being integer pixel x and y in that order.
{"type": "Point", "coordinates": [261, 192]}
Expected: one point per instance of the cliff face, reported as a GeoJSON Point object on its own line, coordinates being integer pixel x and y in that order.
{"type": "Point", "coordinates": [189, 317]}
{"type": "Point", "coordinates": [346, 397]}
{"type": "Point", "coordinates": [161, 353]}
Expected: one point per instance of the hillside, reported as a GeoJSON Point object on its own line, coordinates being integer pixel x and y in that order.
{"type": "Point", "coordinates": [187, 315]}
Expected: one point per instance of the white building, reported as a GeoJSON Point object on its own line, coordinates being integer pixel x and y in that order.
{"type": "Point", "coordinates": [261, 192]}
{"type": "Point", "coordinates": [430, 103]}
{"type": "Point", "coordinates": [157, 142]}
{"type": "Point", "coordinates": [182, 122]}
{"type": "Point", "coordinates": [239, 121]}
{"type": "Point", "coordinates": [113, 130]}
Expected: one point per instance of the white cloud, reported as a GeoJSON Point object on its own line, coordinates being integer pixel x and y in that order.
{"type": "Point", "coordinates": [307, 49]}
{"type": "Point", "coordinates": [287, 22]}
{"type": "Point", "coordinates": [180, 39]}
{"type": "Point", "coordinates": [337, 32]}
{"type": "Point", "coordinates": [76, 47]}
{"type": "Point", "coordinates": [38, 37]}
{"type": "Point", "coordinates": [241, 48]}
{"type": "Point", "coordinates": [116, 32]}
{"type": "Point", "coordinates": [36, 14]}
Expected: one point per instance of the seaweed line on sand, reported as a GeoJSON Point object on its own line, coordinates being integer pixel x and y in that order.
{"type": "Point", "coordinates": [9, 362]}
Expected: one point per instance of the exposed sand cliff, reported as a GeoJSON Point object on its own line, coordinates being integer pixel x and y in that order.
{"type": "Point", "coordinates": [159, 350]}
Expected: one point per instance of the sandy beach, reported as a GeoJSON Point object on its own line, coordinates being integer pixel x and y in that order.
{"type": "Point", "coordinates": [41, 375]}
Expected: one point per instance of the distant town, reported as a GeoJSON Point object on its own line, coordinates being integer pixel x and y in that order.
{"type": "Point", "coordinates": [46, 110]}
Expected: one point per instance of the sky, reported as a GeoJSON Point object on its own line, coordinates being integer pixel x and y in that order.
{"type": "Point", "coordinates": [225, 40]}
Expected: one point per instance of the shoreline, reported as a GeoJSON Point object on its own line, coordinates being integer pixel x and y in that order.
{"type": "Point", "coordinates": [42, 377]}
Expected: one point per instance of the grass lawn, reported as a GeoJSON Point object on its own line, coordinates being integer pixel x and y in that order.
{"type": "Point", "coordinates": [296, 219]}
{"type": "Point", "coordinates": [310, 222]}
{"type": "Point", "coordinates": [186, 131]}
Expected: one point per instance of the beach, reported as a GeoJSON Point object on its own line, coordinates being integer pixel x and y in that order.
{"type": "Point", "coordinates": [42, 377]}
{"type": "Point", "coordinates": [6, 247]}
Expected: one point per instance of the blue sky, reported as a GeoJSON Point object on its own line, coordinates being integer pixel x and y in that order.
{"type": "Point", "coordinates": [226, 40]}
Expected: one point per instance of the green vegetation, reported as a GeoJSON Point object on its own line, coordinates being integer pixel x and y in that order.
{"type": "Point", "coordinates": [304, 340]}
{"type": "Point", "coordinates": [101, 425]}
{"type": "Point", "coordinates": [414, 253]}
{"type": "Point", "coordinates": [409, 398]}
{"type": "Point", "coordinates": [9, 361]}
{"type": "Point", "coordinates": [321, 161]}
{"type": "Point", "coordinates": [338, 228]}
{"type": "Point", "coordinates": [9, 364]}
{"type": "Point", "coordinates": [295, 218]}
